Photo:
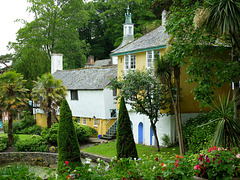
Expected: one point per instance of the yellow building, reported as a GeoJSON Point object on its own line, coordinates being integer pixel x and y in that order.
{"type": "Point", "coordinates": [140, 54]}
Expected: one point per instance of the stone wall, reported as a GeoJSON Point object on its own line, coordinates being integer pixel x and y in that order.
{"type": "Point", "coordinates": [41, 158]}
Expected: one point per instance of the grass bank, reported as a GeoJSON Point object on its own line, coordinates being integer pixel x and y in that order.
{"type": "Point", "coordinates": [109, 150]}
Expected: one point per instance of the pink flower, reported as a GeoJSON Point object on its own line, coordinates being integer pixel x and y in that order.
{"type": "Point", "coordinates": [207, 159]}
{"type": "Point", "coordinates": [236, 169]}
{"type": "Point", "coordinates": [66, 162]}
{"type": "Point", "coordinates": [200, 157]}
{"type": "Point", "coordinates": [159, 178]}
{"type": "Point", "coordinates": [219, 162]}
{"type": "Point", "coordinates": [238, 156]}
{"type": "Point", "coordinates": [197, 167]}
{"type": "Point", "coordinates": [214, 159]}
{"type": "Point", "coordinates": [176, 163]}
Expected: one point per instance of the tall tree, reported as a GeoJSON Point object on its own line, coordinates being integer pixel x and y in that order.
{"type": "Point", "coordinates": [49, 92]}
{"type": "Point", "coordinates": [223, 17]}
{"type": "Point", "coordinates": [55, 28]}
{"type": "Point", "coordinates": [126, 147]}
{"type": "Point", "coordinates": [145, 95]}
{"type": "Point", "coordinates": [68, 146]}
{"type": "Point", "coordinates": [13, 96]}
{"type": "Point", "coordinates": [166, 72]}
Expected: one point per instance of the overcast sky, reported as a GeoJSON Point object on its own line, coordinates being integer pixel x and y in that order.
{"type": "Point", "coordinates": [10, 10]}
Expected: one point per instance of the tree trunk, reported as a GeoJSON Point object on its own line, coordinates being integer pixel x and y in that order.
{"type": "Point", "coordinates": [49, 120]}
{"type": "Point", "coordinates": [179, 131]}
{"type": "Point", "coordinates": [10, 127]}
{"type": "Point", "coordinates": [178, 108]}
{"type": "Point", "coordinates": [155, 134]}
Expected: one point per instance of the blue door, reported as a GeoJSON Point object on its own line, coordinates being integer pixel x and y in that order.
{"type": "Point", "coordinates": [151, 135]}
{"type": "Point", "coordinates": [140, 133]}
{"type": "Point", "coordinates": [1, 126]}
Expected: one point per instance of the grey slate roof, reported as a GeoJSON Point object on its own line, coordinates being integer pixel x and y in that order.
{"type": "Point", "coordinates": [156, 38]}
{"type": "Point", "coordinates": [86, 78]}
{"type": "Point", "coordinates": [103, 62]}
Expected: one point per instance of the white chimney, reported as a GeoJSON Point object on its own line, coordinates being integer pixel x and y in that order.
{"type": "Point", "coordinates": [164, 17]}
{"type": "Point", "coordinates": [56, 62]}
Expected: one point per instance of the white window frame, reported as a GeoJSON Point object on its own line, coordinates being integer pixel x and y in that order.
{"type": "Point", "coordinates": [84, 121]}
{"type": "Point", "coordinates": [150, 57]}
{"type": "Point", "coordinates": [130, 62]}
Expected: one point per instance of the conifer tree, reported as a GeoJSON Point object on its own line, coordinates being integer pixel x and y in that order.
{"type": "Point", "coordinates": [126, 147]}
{"type": "Point", "coordinates": [68, 146]}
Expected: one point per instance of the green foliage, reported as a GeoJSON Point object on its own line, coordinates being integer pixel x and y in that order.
{"type": "Point", "coordinates": [126, 147]}
{"type": "Point", "coordinates": [33, 144]}
{"type": "Point", "coordinates": [27, 120]}
{"type": "Point", "coordinates": [52, 92]}
{"type": "Point", "coordinates": [218, 163]}
{"type": "Point", "coordinates": [3, 142]}
{"type": "Point", "coordinates": [227, 133]}
{"type": "Point", "coordinates": [50, 134]}
{"type": "Point", "coordinates": [83, 133]}
{"type": "Point", "coordinates": [32, 130]}
{"type": "Point", "coordinates": [196, 136]}
{"type": "Point", "coordinates": [13, 95]}
{"type": "Point", "coordinates": [166, 140]}
{"type": "Point", "coordinates": [17, 172]}
{"type": "Point", "coordinates": [68, 146]}
{"type": "Point", "coordinates": [208, 61]}
{"type": "Point", "coordinates": [54, 28]}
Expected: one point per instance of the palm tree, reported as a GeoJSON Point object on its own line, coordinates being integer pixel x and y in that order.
{"type": "Point", "coordinates": [223, 17]}
{"type": "Point", "coordinates": [164, 71]}
{"type": "Point", "coordinates": [49, 92]}
{"type": "Point", "coordinates": [13, 96]}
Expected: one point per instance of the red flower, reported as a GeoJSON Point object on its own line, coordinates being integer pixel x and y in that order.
{"type": "Point", "coordinates": [219, 162]}
{"type": "Point", "coordinates": [156, 158]}
{"type": "Point", "coordinates": [66, 162]}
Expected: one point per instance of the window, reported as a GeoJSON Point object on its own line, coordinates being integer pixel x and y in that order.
{"type": "Point", "coordinates": [113, 112]}
{"type": "Point", "coordinates": [84, 121]}
{"type": "Point", "coordinates": [151, 56]}
{"type": "Point", "coordinates": [74, 94]}
{"type": "Point", "coordinates": [130, 61]}
{"type": "Point", "coordinates": [96, 122]}
{"type": "Point", "coordinates": [130, 30]}
{"type": "Point", "coordinates": [114, 92]}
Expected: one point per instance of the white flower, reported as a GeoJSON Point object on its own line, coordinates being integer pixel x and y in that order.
{"type": "Point", "coordinates": [89, 170]}
{"type": "Point", "coordinates": [154, 167]}
{"type": "Point", "coordinates": [88, 161]}
{"type": "Point", "coordinates": [238, 156]}
{"type": "Point", "coordinates": [98, 159]}
{"type": "Point", "coordinates": [99, 164]}
{"type": "Point", "coordinates": [106, 168]}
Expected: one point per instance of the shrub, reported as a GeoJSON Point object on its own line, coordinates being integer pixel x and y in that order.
{"type": "Point", "coordinates": [197, 137]}
{"type": "Point", "coordinates": [3, 142]}
{"type": "Point", "coordinates": [51, 134]}
{"type": "Point", "coordinates": [84, 132]}
{"type": "Point", "coordinates": [33, 130]}
{"type": "Point", "coordinates": [34, 144]}
{"type": "Point", "coordinates": [126, 147]}
{"type": "Point", "coordinates": [5, 127]}
{"type": "Point", "coordinates": [27, 120]}
{"type": "Point", "coordinates": [16, 127]}
{"type": "Point", "coordinates": [68, 146]}
{"type": "Point", "coordinates": [166, 140]}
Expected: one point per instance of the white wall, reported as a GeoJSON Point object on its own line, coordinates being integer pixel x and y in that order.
{"type": "Point", "coordinates": [109, 102]}
{"type": "Point", "coordinates": [92, 103]}
{"type": "Point", "coordinates": [165, 125]}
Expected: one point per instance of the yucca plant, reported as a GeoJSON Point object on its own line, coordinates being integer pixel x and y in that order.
{"type": "Point", "coordinates": [227, 133]}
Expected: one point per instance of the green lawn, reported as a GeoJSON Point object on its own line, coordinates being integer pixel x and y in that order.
{"type": "Point", "coordinates": [109, 150]}
{"type": "Point", "coordinates": [21, 136]}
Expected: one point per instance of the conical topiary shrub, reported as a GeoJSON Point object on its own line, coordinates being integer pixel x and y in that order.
{"type": "Point", "coordinates": [68, 146]}
{"type": "Point", "coordinates": [126, 147]}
